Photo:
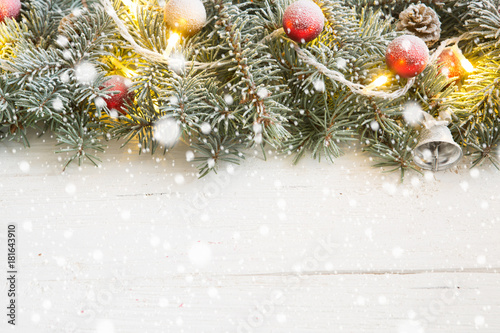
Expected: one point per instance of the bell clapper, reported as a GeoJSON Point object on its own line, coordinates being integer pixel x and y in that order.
{"type": "Point", "coordinates": [435, 163]}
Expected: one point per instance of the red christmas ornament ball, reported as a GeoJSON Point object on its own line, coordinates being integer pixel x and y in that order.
{"type": "Point", "coordinates": [9, 9]}
{"type": "Point", "coordinates": [303, 21]}
{"type": "Point", "coordinates": [451, 65]}
{"type": "Point", "coordinates": [117, 100]}
{"type": "Point", "coordinates": [407, 56]}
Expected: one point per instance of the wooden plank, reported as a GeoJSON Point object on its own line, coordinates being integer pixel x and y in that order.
{"type": "Point", "coordinates": [440, 302]}
{"type": "Point", "coordinates": [350, 248]}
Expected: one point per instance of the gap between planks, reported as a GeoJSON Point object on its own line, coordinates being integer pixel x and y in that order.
{"type": "Point", "coordinates": [493, 270]}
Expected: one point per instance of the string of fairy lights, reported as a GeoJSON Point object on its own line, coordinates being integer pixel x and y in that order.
{"type": "Point", "coordinates": [406, 57]}
{"type": "Point", "coordinates": [366, 90]}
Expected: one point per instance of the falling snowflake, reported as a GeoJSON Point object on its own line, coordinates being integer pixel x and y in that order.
{"type": "Point", "coordinates": [62, 41]}
{"type": "Point", "coordinates": [212, 292]}
{"type": "Point", "coordinates": [97, 255]}
{"type": "Point", "coordinates": [177, 63]}
{"type": "Point", "coordinates": [99, 102]}
{"type": "Point", "coordinates": [341, 63]}
{"type": "Point", "coordinates": [70, 188]}
{"type": "Point", "coordinates": [64, 77]}
{"type": "Point", "coordinates": [189, 156]}
{"type": "Point", "coordinates": [179, 179]}
{"type": "Point", "coordinates": [263, 93]}
{"type": "Point", "coordinates": [200, 254]}
{"type": "Point", "coordinates": [57, 104]}
{"type": "Point", "coordinates": [85, 73]}
{"type": "Point", "coordinates": [24, 166]}
{"type": "Point", "coordinates": [211, 163]}
{"type": "Point", "coordinates": [228, 99]}
{"type": "Point", "coordinates": [206, 128]}
{"type": "Point", "coordinates": [412, 113]}
{"type": "Point", "coordinates": [397, 252]}
{"type": "Point", "coordinates": [374, 125]}
{"type": "Point", "coordinates": [167, 131]}
{"type": "Point", "coordinates": [319, 85]}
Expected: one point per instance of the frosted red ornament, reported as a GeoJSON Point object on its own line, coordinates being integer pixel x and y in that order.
{"type": "Point", "coordinates": [117, 101]}
{"type": "Point", "coordinates": [303, 21]}
{"type": "Point", "coordinates": [407, 56]}
{"type": "Point", "coordinates": [9, 9]}
{"type": "Point", "coordinates": [451, 65]}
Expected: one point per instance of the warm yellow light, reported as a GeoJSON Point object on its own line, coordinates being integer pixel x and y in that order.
{"type": "Point", "coordinates": [127, 71]}
{"type": "Point", "coordinates": [466, 64]}
{"type": "Point", "coordinates": [172, 41]}
{"type": "Point", "coordinates": [131, 5]}
{"type": "Point", "coordinates": [380, 81]}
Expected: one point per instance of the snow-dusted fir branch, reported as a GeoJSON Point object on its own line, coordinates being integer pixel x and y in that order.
{"type": "Point", "coordinates": [150, 54]}
{"type": "Point", "coordinates": [354, 87]}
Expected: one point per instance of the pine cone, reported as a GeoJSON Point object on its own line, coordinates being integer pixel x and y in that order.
{"type": "Point", "coordinates": [421, 21]}
{"type": "Point", "coordinates": [69, 22]}
{"type": "Point", "coordinates": [66, 21]}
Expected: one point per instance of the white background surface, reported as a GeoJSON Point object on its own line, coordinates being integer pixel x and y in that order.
{"type": "Point", "coordinates": [141, 245]}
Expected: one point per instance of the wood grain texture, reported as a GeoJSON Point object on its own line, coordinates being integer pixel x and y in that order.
{"type": "Point", "coordinates": [140, 245]}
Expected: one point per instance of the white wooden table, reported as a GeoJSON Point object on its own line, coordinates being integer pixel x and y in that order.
{"type": "Point", "coordinates": [141, 245]}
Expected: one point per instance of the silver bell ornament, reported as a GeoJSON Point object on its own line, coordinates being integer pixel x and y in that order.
{"type": "Point", "coordinates": [436, 150]}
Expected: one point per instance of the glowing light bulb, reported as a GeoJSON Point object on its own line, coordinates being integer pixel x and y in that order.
{"type": "Point", "coordinates": [172, 41]}
{"type": "Point", "coordinates": [380, 81]}
{"type": "Point", "coordinates": [466, 64]}
{"type": "Point", "coordinates": [131, 5]}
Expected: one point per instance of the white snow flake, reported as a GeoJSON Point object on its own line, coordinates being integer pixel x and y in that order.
{"type": "Point", "coordinates": [374, 125]}
{"type": "Point", "coordinates": [167, 131]}
{"type": "Point", "coordinates": [200, 254]}
{"type": "Point", "coordinates": [263, 93]}
{"type": "Point", "coordinates": [228, 99]}
{"type": "Point", "coordinates": [24, 166]}
{"type": "Point", "coordinates": [179, 179]}
{"type": "Point", "coordinates": [319, 85]}
{"type": "Point", "coordinates": [57, 104]}
{"type": "Point", "coordinates": [62, 41]}
{"type": "Point", "coordinates": [70, 188]}
{"type": "Point", "coordinates": [105, 326]}
{"type": "Point", "coordinates": [85, 73]}
{"type": "Point", "coordinates": [412, 113]}
{"type": "Point", "coordinates": [397, 252]}
{"type": "Point", "coordinates": [189, 156]}
{"type": "Point", "coordinates": [211, 163]}
{"type": "Point", "coordinates": [206, 128]}
{"type": "Point", "coordinates": [177, 63]}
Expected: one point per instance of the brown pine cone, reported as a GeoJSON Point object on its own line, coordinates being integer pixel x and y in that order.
{"type": "Point", "coordinates": [421, 21]}
{"type": "Point", "coordinates": [66, 21]}
{"type": "Point", "coordinates": [69, 21]}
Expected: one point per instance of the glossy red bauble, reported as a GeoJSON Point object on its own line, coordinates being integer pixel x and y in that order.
{"type": "Point", "coordinates": [407, 56]}
{"type": "Point", "coordinates": [121, 85]}
{"type": "Point", "coordinates": [9, 9]}
{"type": "Point", "coordinates": [303, 21]}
